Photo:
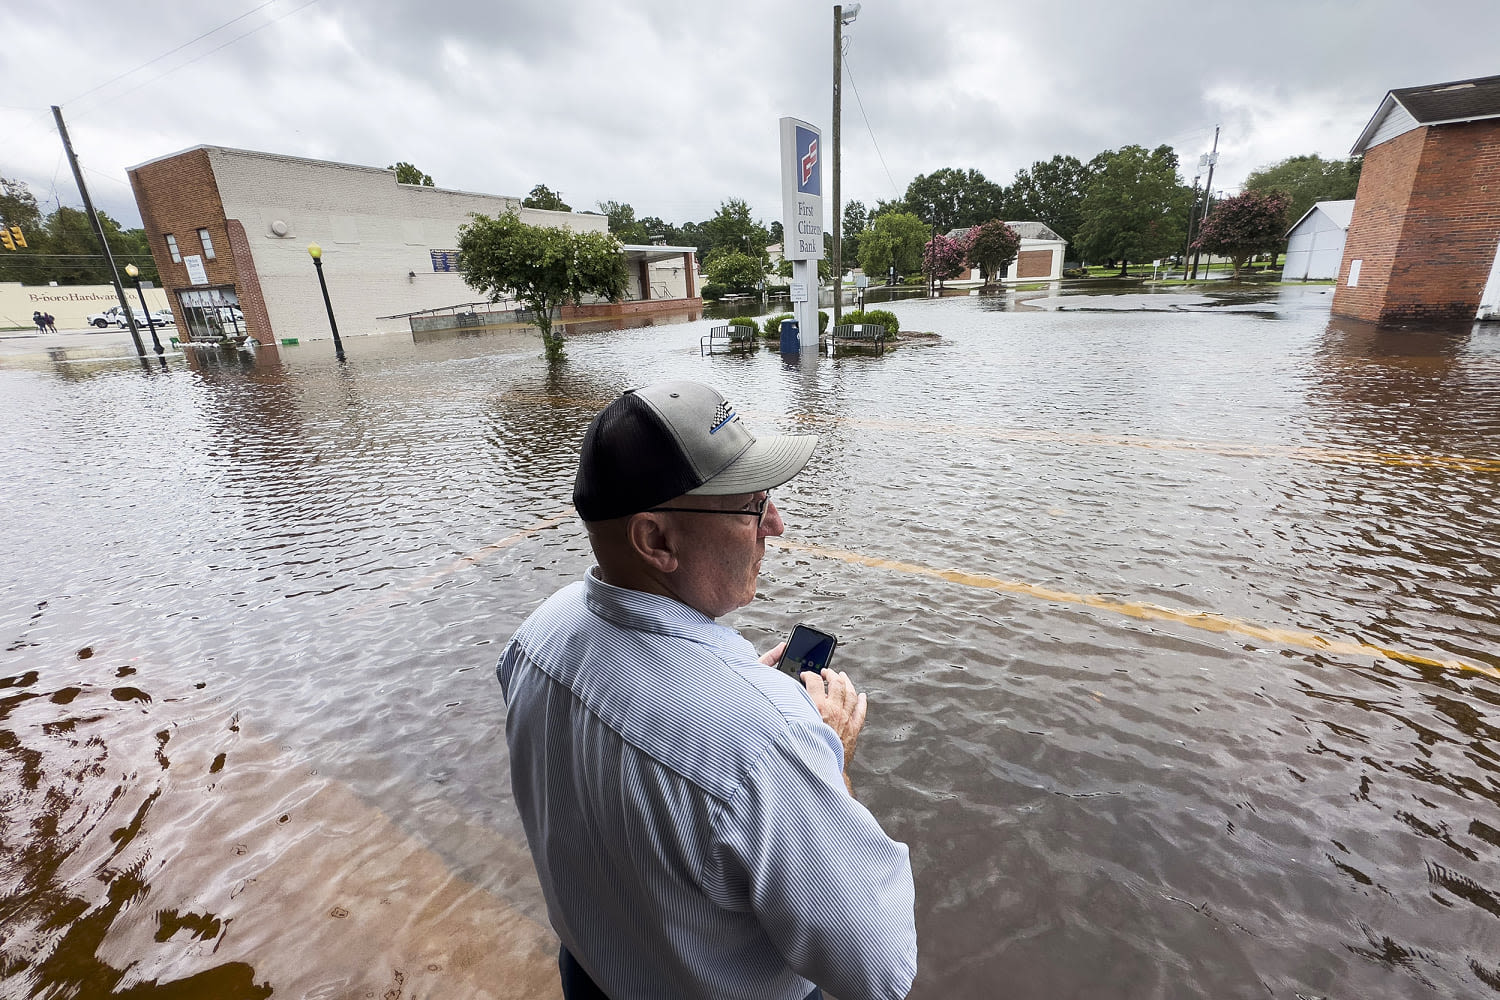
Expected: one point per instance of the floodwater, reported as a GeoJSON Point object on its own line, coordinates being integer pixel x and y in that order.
{"type": "Point", "coordinates": [1178, 626]}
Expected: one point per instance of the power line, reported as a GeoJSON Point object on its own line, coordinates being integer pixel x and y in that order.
{"type": "Point", "coordinates": [179, 48]}
{"type": "Point", "coordinates": [204, 55]}
{"type": "Point", "coordinates": [860, 101]}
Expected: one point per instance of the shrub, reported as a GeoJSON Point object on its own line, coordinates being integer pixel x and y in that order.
{"type": "Point", "coordinates": [749, 321]}
{"type": "Point", "coordinates": [714, 290]}
{"type": "Point", "coordinates": [772, 326]}
{"type": "Point", "coordinates": [915, 279]}
{"type": "Point", "coordinates": [822, 322]}
{"type": "Point", "coordinates": [885, 318]}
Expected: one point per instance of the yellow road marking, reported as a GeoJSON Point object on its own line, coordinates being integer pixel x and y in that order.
{"type": "Point", "coordinates": [1230, 449]}
{"type": "Point", "coordinates": [1204, 620]}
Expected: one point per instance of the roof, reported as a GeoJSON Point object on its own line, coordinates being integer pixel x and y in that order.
{"type": "Point", "coordinates": [1025, 230]}
{"type": "Point", "coordinates": [1340, 213]}
{"type": "Point", "coordinates": [651, 253]}
{"type": "Point", "coordinates": [1435, 104]}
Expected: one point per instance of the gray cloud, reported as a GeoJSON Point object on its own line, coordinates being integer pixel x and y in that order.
{"type": "Point", "coordinates": [672, 106]}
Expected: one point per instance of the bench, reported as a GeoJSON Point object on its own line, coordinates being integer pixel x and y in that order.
{"type": "Point", "coordinates": [871, 334]}
{"type": "Point", "coordinates": [728, 335]}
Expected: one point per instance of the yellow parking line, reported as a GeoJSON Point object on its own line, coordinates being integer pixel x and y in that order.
{"type": "Point", "coordinates": [1230, 449]}
{"type": "Point", "coordinates": [1207, 621]}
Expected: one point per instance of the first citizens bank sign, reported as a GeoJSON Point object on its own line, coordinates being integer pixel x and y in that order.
{"type": "Point", "coordinates": [801, 190]}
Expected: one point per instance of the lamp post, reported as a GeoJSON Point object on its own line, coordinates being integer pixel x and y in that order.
{"type": "Point", "coordinates": [135, 276]}
{"type": "Point", "coordinates": [316, 253]}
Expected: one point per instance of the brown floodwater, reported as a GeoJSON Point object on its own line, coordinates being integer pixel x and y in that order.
{"type": "Point", "coordinates": [1177, 615]}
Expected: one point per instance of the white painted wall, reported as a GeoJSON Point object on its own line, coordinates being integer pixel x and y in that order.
{"type": "Point", "coordinates": [1314, 249]}
{"type": "Point", "coordinates": [377, 237]}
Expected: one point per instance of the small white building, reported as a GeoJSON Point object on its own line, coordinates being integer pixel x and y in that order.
{"type": "Point", "coordinates": [1315, 245]}
{"type": "Point", "coordinates": [1039, 259]}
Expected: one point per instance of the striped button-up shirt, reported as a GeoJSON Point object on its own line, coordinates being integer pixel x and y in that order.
{"type": "Point", "coordinates": [685, 807]}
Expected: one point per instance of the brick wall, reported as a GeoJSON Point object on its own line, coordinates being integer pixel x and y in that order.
{"type": "Point", "coordinates": [178, 195]}
{"type": "Point", "coordinates": [1426, 224]}
{"type": "Point", "coordinates": [1034, 264]}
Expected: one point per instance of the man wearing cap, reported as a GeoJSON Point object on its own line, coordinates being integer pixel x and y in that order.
{"type": "Point", "coordinates": [686, 804]}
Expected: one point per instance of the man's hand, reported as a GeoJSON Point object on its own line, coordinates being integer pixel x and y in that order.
{"type": "Point", "coordinates": [841, 707]}
{"type": "Point", "coordinates": [770, 656]}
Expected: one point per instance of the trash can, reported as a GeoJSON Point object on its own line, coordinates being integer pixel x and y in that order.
{"type": "Point", "coordinates": [791, 340]}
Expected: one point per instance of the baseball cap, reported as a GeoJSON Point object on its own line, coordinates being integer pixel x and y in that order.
{"type": "Point", "coordinates": [663, 440]}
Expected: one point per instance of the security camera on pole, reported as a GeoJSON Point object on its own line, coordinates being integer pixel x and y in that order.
{"type": "Point", "coordinates": [802, 222]}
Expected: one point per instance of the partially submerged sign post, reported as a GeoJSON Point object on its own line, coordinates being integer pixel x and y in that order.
{"type": "Point", "coordinates": [802, 219]}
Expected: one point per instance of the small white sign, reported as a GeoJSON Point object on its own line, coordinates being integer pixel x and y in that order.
{"type": "Point", "coordinates": [861, 281]}
{"type": "Point", "coordinates": [194, 264]}
{"type": "Point", "coordinates": [1354, 273]}
{"type": "Point", "coordinates": [798, 290]}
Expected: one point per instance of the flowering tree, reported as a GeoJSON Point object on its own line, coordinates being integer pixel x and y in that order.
{"type": "Point", "coordinates": [992, 247]}
{"type": "Point", "coordinates": [1245, 225]}
{"type": "Point", "coordinates": [944, 258]}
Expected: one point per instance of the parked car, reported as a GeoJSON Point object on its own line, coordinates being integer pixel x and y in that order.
{"type": "Point", "coordinates": [109, 317]}
{"type": "Point", "coordinates": [113, 316]}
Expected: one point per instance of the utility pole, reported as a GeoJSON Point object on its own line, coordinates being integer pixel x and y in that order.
{"type": "Point", "coordinates": [839, 20]}
{"type": "Point", "coordinates": [88, 206]}
{"type": "Point", "coordinates": [1208, 188]}
{"type": "Point", "coordinates": [1187, 251]}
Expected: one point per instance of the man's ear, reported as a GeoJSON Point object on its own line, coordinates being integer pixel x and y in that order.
{"type": "Point", "coordinates": [654, 543]}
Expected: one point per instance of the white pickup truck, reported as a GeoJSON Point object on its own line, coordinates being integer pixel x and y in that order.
{"type": "Point", "coordinates": [113, 316]}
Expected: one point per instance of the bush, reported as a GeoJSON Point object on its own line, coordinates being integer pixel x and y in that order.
{"type": "Point", "coordinates": [772, 327]}
{"type": "Point", "coordinates": [822, 322]}
{"type": "Point", "coordinates": [915, 279]}
{"type": "Point", "coordinates": [881, 317]}
{"type": "Point", "coordinates": [713, 290]}
{"type": "Point", "coordinates": [1074, 272]}
{"type": "Point", "coordinates": [749, 321]}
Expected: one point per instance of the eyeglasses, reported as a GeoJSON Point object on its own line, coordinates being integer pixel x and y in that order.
{"type": "Point", "coordinates": [757, 510]}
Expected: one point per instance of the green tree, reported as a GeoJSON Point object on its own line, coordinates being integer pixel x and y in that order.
{"type": "Point", "coordinates": [408, 174]}
{"type": "Point", "coordinates": [543, 267]}
{"type": "Point", "coordinates": [544, 197]}
{"type": "Point", "coordinates": [658, 231]}
{"type": "Point", "coordinates": [1306, 180]}
{"type": "Point", "coordinates": [952, 199]}
{"type": "Point", "coordinates": [739, 272]}
{"type": "Point", "coordinates": [856, 218]}
{"type": "Point", "coordinates": [732, 228]}
{"type": "Point", "coordinates": [1134, 206]}
{"type": "Point", "coordinates": [992, 247]}
{"type": "Point", "coordinates": [1245, 225]}
{"type": "Point", "coordinates": [1050, 192]}
{"type": "Point", "coordinates": [623, 224]}
{"type": "Point", "coordinates": [18, 208]}
{"type": "Point", "coordinates": [895, 239]}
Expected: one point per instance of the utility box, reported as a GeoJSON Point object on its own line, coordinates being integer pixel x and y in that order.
{"type": "Point", "coordinates": [790, 334]}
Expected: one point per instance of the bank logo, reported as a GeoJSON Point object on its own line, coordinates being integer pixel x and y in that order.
{"type": "Point", "coordinates": [809, 178]}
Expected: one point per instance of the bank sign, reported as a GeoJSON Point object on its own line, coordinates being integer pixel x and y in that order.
{"type": "Point", "coordinates": [801, 190]}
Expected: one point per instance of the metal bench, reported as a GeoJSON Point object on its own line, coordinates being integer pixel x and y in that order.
{"type": "Point", "coordinates": [863, 334]}
{"type": "Point", "coordinates": [728, 335]}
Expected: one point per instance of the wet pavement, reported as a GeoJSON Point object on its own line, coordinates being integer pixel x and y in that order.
{"type": "Point", "coordinates": [1178, 630]}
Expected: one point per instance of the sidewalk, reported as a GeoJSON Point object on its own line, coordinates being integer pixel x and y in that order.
{"type": "Point", "coordinates": [85, 342]}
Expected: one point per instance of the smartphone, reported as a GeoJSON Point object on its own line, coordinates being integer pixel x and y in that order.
{"type": "Point", "coordinates": [807, 649]}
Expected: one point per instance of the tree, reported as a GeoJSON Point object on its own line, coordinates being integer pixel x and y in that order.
{"type": "Point", "coordinates": [18, 208]}
{"type": "Point", "coordinates": [1245, 225]}
{"type": "Point", "coordinates": [1306, 180]}
{"type": "Point", "coordinates": [544, 198]}
{"type": "Point", "coordinates": [658, 231]}
{"type": "Point", "coordinates": [543, 267]}
{"type": "Point", "coordinates": [991, 248]}
{"type": "Point", "coordinates": [855, 220]}
{"type": "Point", "coordinates": [895, 240]}
{"type": "Point", "coordinates": [1134, 207]}
{"type": "Point", "coordinates": [943, 257]}
{"type": "Point", "coordinates": [954, 199]}
{"type": "Point", "coordinates": [776, 234]}
{"type": "Point", "coordinates": [739, 272]}
{"type": "Point", "coordinates": [408, 174]}
{"type": "Point", "coordinates": [622, 223]}
{"type": "Point", "coordinates": [732, 228]}
{"type": "Point", "coordinates": [1050, 192]}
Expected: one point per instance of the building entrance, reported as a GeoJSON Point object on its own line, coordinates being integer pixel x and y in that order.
{"type": "Point", "coordinates": [212, 313]}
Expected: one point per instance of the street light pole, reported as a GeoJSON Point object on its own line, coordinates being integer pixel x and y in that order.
{"type": "Point", "coordinates": [135, 276]}
{"type": "Point", "coordinates": [316, 253]}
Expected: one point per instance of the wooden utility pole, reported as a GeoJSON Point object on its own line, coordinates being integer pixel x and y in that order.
{"type": "Point", "coordinates": [1208, 197]}
{"type": "Point", "coordinates": [838, 80]}
{"type": "Point", "coordinates": [88, 206]}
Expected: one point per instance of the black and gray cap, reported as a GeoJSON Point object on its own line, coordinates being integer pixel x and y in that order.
{"type": "Point", "coordinates": [670, 438]}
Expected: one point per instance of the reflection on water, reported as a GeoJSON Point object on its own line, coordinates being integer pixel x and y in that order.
{"type": "Point", "coordinates": [252, 743]}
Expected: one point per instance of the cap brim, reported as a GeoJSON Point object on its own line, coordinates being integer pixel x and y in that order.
{"type": "Point", "coordinates": [766, 464]}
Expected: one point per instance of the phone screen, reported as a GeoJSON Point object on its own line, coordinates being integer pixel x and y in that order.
{"type": "Point", "coordinates": [807, 649]}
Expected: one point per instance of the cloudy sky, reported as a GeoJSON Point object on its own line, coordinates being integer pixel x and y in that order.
{"type": "Point", "coordinates": [672, 106]}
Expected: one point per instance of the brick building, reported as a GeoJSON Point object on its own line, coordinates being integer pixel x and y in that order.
{"type": "Point", "coordinates": [229, 230]}
{"type": "Point", "coordinates": [1423, 240]}
{"type": "Point", "coordinates": [1040, 257]}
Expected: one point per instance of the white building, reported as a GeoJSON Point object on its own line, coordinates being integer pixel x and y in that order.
{"type": "Point", "coordinates": [1315, 245]}
{"type": "Point", "coordinates": [232, 227]}
{"type": "Point", "coordinates": [1039, 259]}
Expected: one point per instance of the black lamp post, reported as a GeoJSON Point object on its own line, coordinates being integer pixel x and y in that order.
{"type": "Point", "coordinates": [316, 253]}
{"type": "Point", "coordinates": [135, 276]}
